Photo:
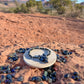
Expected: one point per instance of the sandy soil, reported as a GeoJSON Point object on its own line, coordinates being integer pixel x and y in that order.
{"type": "Point", "coordinates": [29, 30]}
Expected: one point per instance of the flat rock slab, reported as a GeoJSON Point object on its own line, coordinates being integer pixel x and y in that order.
{"type": "Point", "coordinates": [36, 62]}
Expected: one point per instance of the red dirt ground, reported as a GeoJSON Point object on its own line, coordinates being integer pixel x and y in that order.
{"type": "Point", "coordinates": [27, 30]}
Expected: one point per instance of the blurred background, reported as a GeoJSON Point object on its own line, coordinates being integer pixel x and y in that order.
{"type": "Point", "coordinates": [68, 8]}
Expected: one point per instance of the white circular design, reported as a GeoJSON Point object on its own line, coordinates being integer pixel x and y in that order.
{"type": "Point", "coordinates": [36, 62]}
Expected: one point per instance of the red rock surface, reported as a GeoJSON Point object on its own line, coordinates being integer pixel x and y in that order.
{"type": "Point", "coordinates": [28, 30]}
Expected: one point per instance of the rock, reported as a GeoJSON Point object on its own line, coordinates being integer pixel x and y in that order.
{"type": "Point", "coordinates": [3, 78]}
{"type": "Point", "coordinates": [20, 78]}
{"type": "Point", "coordinates": [12, 70]}
{"type": "Point", "coordinates": [41, 83]}
{"type": "Point", "coordinates": [49, 80]}
{"type": "Point", "coordinates": [65, 52]}
{"type": "Point", "coordinates": [53, 79]}
{"type": "Point", "coordinates": [36, 79]}
{"type": "Point", "coordinates": [17, 67]}
{"type": "Point", "coordinates": [7, 81]}
{"type": "Point", "coordinates": [9, 77]}
{"type": "Point", "coordinates": [45, 73]}
{"type": "Point", "coordinates": [44, 77]}
{"type": "Point", "coordinates": [75, 73]}
{"type": "Point", "coordinates": [26, 83]}
{"type": "Point", "coordinates": [66, 76]}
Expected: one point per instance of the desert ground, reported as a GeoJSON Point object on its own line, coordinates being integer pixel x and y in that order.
{"type": "Point", "coordinates": [29, 30]}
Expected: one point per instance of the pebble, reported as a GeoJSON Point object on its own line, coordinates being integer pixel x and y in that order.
{"type": "Point", "coordinates": [65, 52]}
{"type": "Point", "coordinates": [44, 78]}
{"type": "Point", "coordinates": [17, 67]}
{"type": "Point", "coordinates": [0, 81]}
{"type": "Point", "coordinates": [49, 80]}
{"type": "Point", "coordinates": [43, 59]}
{"type": "Point", "coordinates": [26, 83]}
{"type": "Point", "coordinates": [3, 78]}
{"type": "Point", "coordinates": [12, 70]}
{"type": "Point", "coordinates": [53, 79]}
{"type": "Point", "coordinates": [41, 83]}
{"type": "Point", "coordinates": [7, 81]}
{"type": "Point", "coordinates": [21, 50]}
{"type": "Point", "coordinates": [8, 76]}
{"type": "Point", "coordinates": [66, 76]}
{"type": "Point", "coordinates": [45, 73]}
{"type": "Point", "coordinates": [20, 78]}
{"type": "Point", "coordinates": [36, 79]}
{"type": "Point", "coordinates": [75, 73]}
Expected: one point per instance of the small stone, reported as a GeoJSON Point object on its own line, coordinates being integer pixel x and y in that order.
{"type": "Point", "coordinates": [53, 79]}
{"type": "Point", "coordinates": [44, 77]}
{"type": "Point", "coordinates": [56, 50]}
{"type": "Point", "coordinates": [21, 50]}
{"type": "Point", "coordinates": [26, 83]}
{"type": "Point", "coordinates": [45, 73]}
{"type": "Point", "coordinates": [3, 67]}
{"type": "Point", "coordinates": [49, 80]}
{"type": "Point", "coordinates": [7, 81]}
{"type": "Point", "coordinates": [73, 77]}
{"type": "Point", "coordinates": [66, 76]}
{"type": "Point", "coordinates": [75, 73]}
{"type": "Point", "coordinates": [12, 70]}
{"type": "Point", "coordinates": [17, 67]}
{"type": "Point", "coordinates": [36, 79]}
{"type": "Point", "coordinates": [49, 70]}
{"type": "Point", "coordinates": [10, 60]}
{"type": "Point", "coordinates": [9, 76]}
{"type": "Point", "coordinates": [63, 59]}
{"type": "Point", "coordinates": [57, 56]}
{"type": "Point", "coordinates": [41, 83]}
{"type": "Point", "coordinates": [15, 58]}
{"type": "Point", "coordinates": [70, 53]}
{"type": "Point", "coordinates": [54, 73]}
{"type": "Point", "coordinates": [65, 52]}
{"type": "Point", "coordinates": [43, 59]}
{"type": "Point", "coordinates": [3, 78]}
{"type": "Point", "coordinates": [13, 74]}
{"type": "Point", "coordinates": [27, 48]}
{"type": "Point", "coordinates": [20, 78]}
